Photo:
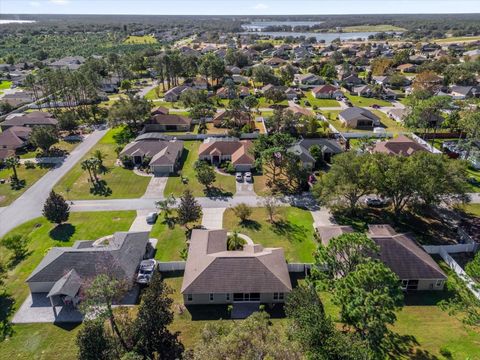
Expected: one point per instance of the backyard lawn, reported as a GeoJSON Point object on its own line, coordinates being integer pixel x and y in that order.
{"type": "Point", "coordinates": [365, 102]}
{"type": "Point", "coordinates": [155, 93]}
{"type": "Point", "coordinates": [224, 184]}
{"type": "Point", "coordinates": [318, 102]}
{"type": "Point", "coordinates": [292, 230]}
{"type": "Point", "coordinates": [123, 183]}
{"type": "Point", "coordinates": [389, 124]}
{"type": "Point", "coordinates": [46, 341]}
{"type": "Point", "coordinates": [5, 85]}
{"type": "Point", "coordinates": [31, 176]}
{"type": "Point", "coordinates": [62, 145]}
{"type": "Point", "coordinates": [264, 103]}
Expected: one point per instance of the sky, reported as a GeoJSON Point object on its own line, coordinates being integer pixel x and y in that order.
{"type": "Point", "coordinates": [238, 7]}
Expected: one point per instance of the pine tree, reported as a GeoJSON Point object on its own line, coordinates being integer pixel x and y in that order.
{"type": "Point", "coordinates": [188, 210]}
{"type": "Point", "coordinates": [56, 209]}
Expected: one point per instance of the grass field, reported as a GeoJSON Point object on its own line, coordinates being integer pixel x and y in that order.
{"type": "Point", "coordinates": [5, 84]}
{"type": "Point", "coordinates": [223, 185]}
{"type": "Point", "coordinates": [146, 39]}
{"type": "Point", "coordinates": [292, 230]}
{"type": "Point", "coordinates": [366, 102]}
{"type": "Point", "coordinates": [123, 183]}
{"type": "Point", "coordinates": [319, 102]}
{"type": "Point", "coordinates": [155, 93]}
{"type": "Point", "coordinates": [458, 39]}
{"type": "Point", "coordinates": [62, 145]}
{"type": "Point", "coordinates": [31, 176]}
{"type": "Point", "coordinates": [48, 341]}
{"type": "Point", "coordinates": [171, 239]}
{"type": "Point", "coordinates": [367, 28]}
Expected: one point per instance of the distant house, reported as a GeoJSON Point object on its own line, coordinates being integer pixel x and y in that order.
{"type": "Point", "coordinates": [160, 110]}
{"type": "Point", "coordinates": [234, 70]}
{"type": "Point", "coordinates": [64, 270]}
{"type": "Point", "coordinates": [473, 55]}
{"type": "Point", "coordinates": [328, 147]}
{"type": "Point", "coordinates": [243, 92]}
{"type": "Point", "coordinates": [356, 117]}
{"type": "Point", "coordinates": [168, 122]}
{"type": "Point", "coordinates": [308, 80]}
{"type": "Point", "coordinates": [32, 119]}
{"type": "Point", "coordinates": [415, 268]}
{"type": "Point", "coordinates": [239, 79]}
{"type": "Point", "coordinates": [18, 98]}
{"type": "Point", "coordinates": [381, 80]}
{"type": "Point", "coordinates": [274, 62]}
{"type": "Point", "coordinates": [162, 156]}
{"type": "Point", "coordinates": [464, 92]}
{"type": "Point", "coordinates": [173, 94]}
{"type": "Point", "coordinates": [352, 80]}
{"type": "Point", "coordinates": [199, 84]}
{"type": "Point", "coordinates": [68, 62]}
{"type": "Point", "coordinates": [218, 150]}
{"type": "Point", "coordinates": [226, 93]}
{"type": "Point", "coordinates": [214, 275]}
{"type": "Point", "coordinates": [326, 233]}
{"type": "Point", "coordinates": [401, 145]}
{"type": "Point", "coordinates": [14, 137]}
{"type": "Point", "coordinates": [407, 68]}
{"type": "Point", "coordinates": [326, 92]}
{"type": "Point", "coordinates": [110, 84]}
{"type": "Point", "coordinates": [291, 94]}
{"type": "Point", "coordinates": [243, 118]}
{"type": "Point", "coordinates": [300, 111]}
{"type": "Point", "coordinates": [362, 90]}
{"type": "Point", "coordinates": [397, 114]}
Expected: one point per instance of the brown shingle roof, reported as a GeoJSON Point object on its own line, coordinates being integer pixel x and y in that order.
{"type": "Point", "coordinates": [170, 119]}
{"type": "Point", "coordinates": [237, 149]}
{"type": "Point", "coordinates": [402, 145]}
{"type": "Point", "coordinates": [212, 269]}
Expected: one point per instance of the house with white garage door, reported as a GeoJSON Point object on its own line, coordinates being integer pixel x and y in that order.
{"type": "Point", "coordinates": [161, 156]}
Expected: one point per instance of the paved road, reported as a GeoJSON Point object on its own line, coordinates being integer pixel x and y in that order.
{"type": "Point", "coordinates": [29, 205]}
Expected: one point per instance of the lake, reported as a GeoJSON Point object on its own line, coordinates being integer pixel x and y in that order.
{"type": "Point", "coordinates": [327, 37]}
{"type": "Point", "coordinates": [260, 25]}
{"type": "Point", "coordinates": [16, 21]}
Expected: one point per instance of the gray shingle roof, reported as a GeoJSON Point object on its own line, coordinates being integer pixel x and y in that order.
{"type": "Point", "coordinates": [69, 284]}
{"type": "Point", "coordinates": [120, 257]}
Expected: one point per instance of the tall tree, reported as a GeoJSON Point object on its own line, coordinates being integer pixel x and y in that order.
{"type": "Point", "coordinates": [44, 137]}
{"type": "Point", "coordinates": [189, 210]}
{"type": "Point", "coordinates": [132, 112]}
{"type": "Point", "coordinates": [205, 174]}
{"type": "Point", "coordinates": [56, 209]}
{"type": "Point", "coordinates": [153, 339]}
{"type": "Point", "coordinates": [12, 162]}
{"type": "Point", "coordinates": [92, 342]}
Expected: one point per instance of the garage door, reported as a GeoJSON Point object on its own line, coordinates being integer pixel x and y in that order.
{"type": "Point", "coordinates": [160, 170]}
{"type": "Point", "coordinates": [240, 167]}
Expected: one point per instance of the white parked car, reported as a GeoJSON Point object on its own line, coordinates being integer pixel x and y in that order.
{"type": "Point", "coordinates": [239, 176]}
{"type": "Point", "coordinates": [379, 130]}
{"type": "Point", "coordinates": [248, 177]}
{"type": "Point", "coordinates": [146, 270]}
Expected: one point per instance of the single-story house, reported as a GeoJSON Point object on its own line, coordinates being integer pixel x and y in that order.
{"type": "Point", "coordinates": [14, 137]}
{"type": "Point", "coordinates": [300, 111]}
{"type": "Point", "coordinates": [328, 147]}
{"type": "Point", "coordinates": [18, 98]}
{"type": "Point", "coordinates": [274, 62]}
{"type": "Point", "coordinates": [68, 62]}
{"type": "Point", "coordinates": [308, 80]}
{"type": "Point", "coordinates": [168, 122]}
{"type": "Point", "coordinates": [174, 93]}
{"type": "Point", "coordinates": [407, 68]}
{"type": "Point", "coordinates": [397, 114]}
{"type": "Point", "coordinates": [110, 84]}
{"type": "Point", "coordinates": [328, 232]}
{"type": "Point", "coordinates": [214, 275]}
{"type": "Point", "coordinates": [160, 110]}
{"type": "Point", "coordinates": [291, 93]}
{"type": "Point", "coordinates": [218, 150]}
{"type": "Point", "coordinates": [226, 93]}
{"type": "Point", "coordinates": [355, 117]}
{"type": "Point", "coordinates": [163, 156]}
{"type": "Point", "coordinates": [401, 145]}
{"type": "Point", "coordinates": [240, 79]}
{"type": "Point", "coordinates": [352, 80]}
{"type": "Point", "coordinates": [243, 118]}
{"type": "Point", "coordinates": [464, 92]}
{"type": "Point", "coordinates": [326, 92]}
{"type": "Point", "coordinates": [412, 264]}
{"type": "Point", "coordinates": [63, 271]}
{"type": "Point", "coordinates": [35, 118]}
{"type": "Point", "coordinates": [362, 90]}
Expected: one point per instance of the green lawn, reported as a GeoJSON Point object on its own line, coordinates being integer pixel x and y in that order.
{"type": "Point", "coordinates": [47, 341]}
{"type": "Point", "coordinates": [31, 176]}
{"type": "Point", "coordinates": [318, 102]}
{"type": "Point", "coordinates": [123, 183]}
{"type": "Point", "coordinates": [224, 184]}
{"type": "Point", "coordinates": [155, 93]}
{"type": "Point", "coordinates": [62, 145]}
{"type": "Point", "coordinates": [365, 102]}
{"type": "Point", "coordinates": [146, 39]}
{"type": "Point", "coordinates": [292, 230]}
{"type": "Point", "coordinates": [369, 28]}
{"type": "Point", "coordinates": [264, 103]}
{"type": "Point", "coordinates": [5, 85]}
{"type": "Point", "coordinates": [389, 124]}
{"type": "Point", "coordinates": [171, 239]}
{"type": "Point", "coordinates": [458, 39]}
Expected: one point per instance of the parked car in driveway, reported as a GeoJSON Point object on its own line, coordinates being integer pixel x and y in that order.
{"type": "Point", "coordinates": [239, 177]}
{"type": "Point", "coordinates": [152, 218]}
{"type": "Point", "coordinates": [248, 177]}
{"type": "Point", "coordinates": [146, 270]}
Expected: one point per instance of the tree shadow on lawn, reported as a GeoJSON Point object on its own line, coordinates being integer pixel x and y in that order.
{"type": "Point", "coordinates": [100, 188]}
{"type": "Point", "coordinates": [291, 231]}
{"type": "Point", "coordinates": [401, 346]}
{"type": "Point", "coordinates": [217, 193]}
{"type": "Point", "coordinates": [251, 225]}
{"type": "Point", "coordinates": [62, 232]}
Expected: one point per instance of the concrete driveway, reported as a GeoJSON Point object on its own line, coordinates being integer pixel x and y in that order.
{"type": "Point", "coordinates": [140, 222]}
{"type": "Point", "coordinates": [156, 187]}
{"type": "Point", "coordinates": [213, 218]}
{"type": "Point", "coordinates": [322, 217]}
{"type": "Point", "coordinates": [244, 189]}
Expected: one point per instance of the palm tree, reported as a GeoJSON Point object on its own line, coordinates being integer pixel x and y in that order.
{"type": "Point", "coordinates": [235, 242]}
{"type": "Point", "coordinates": [87, 165]}
{"type": "Point", "coordinates": [11, 163]}
{"type": "Point", "coordinates": [99, 157]}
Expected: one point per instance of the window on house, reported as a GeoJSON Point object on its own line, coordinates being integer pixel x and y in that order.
{"type": "Point", "coordinates": [189, 297]}
{"type": "Point", "coordinates": [280, 296]}
{"type": "Point", "coordinates": [211, 297]}
{"type": "Point", "coordinates": [275, 296]}
{"type": "Point", "coordinates": [439, 283]}
{"type": "Point", "coordinates": [227, 297]}
{"type": "Point", "coordinates": [404, 284]}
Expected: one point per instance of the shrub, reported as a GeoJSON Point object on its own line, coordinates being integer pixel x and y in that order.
{"type": "Point", "coordinates": [29, 165]}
